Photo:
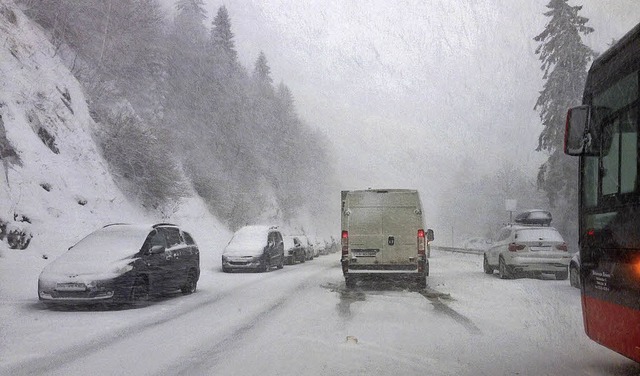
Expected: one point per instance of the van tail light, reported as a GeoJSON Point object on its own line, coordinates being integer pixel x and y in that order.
{"type": "Point", "coordinates": [514, 247]}
{"type": "Point", "coordinates": [421, 242]}
{"type": "Point", "coordinates": [562, 247]}
{"type": "Point", "coordinates": [345, 243]}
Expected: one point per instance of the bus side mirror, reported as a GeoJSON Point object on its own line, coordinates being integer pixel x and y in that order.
{"type": "Point", "coordinates": [429, 235]}
{"type": "Point", "coordinates": [578, 135]}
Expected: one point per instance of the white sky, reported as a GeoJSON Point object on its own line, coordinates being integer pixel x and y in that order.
{"type": "Point", "coordinates": [407, 89]}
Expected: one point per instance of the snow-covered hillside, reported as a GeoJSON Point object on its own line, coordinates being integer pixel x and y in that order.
{"type": "Point", "coordinates": [54, 184]}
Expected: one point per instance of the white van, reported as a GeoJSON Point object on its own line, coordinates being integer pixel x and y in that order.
{"type": "Point", "coordinates": [383, 235]}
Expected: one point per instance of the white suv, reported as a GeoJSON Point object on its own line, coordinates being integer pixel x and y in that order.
{"type": "Point", "coordinates": [527, 248]}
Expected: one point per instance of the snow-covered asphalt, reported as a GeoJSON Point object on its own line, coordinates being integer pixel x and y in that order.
{"type": "Point", "coordinates": [302, 321]}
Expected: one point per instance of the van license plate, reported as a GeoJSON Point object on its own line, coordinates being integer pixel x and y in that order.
{"type": "Point", "coordinates": [365, 252]}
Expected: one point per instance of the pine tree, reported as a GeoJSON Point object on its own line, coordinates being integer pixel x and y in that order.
{"type": "Point", "coordinates": [261, 70]}
{"type": "Point", "coordinates": [222, 36]}
{"type": "Point", "coordinates": [188, 21]}
{"type": "Point", "coordinates": [564, 62]}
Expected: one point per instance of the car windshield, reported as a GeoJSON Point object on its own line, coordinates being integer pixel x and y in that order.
{"type": "Point", "coordinates": [158, 159]}
{"type": "Point", "coordinates": [250, 237]}
{"type": "Point", "coordinates": [121, 239]}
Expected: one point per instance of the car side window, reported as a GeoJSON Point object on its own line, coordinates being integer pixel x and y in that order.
{"type": "Point", "coordinates": [173, 236]}
{"type": "Point", "coordinates": [154, 238]}
{"type": "Point", "coordinates": [188, 239]}
{"type": "Point", "coordinates": [296, 242]}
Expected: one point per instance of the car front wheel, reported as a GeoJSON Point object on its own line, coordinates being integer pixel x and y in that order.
{"type": "Point", "coordinates": [266, 264]}
{"type": "Point", "coordinates": [140, 290]}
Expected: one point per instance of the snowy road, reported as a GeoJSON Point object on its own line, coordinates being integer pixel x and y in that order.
{"type": "Point", "coordinates": [296, 321]}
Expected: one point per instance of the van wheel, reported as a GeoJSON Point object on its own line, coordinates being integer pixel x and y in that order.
{"type": "Point", "coordinates": [302, 258]}
{"type": "Point", "coordinates": [422, 281]}
{"type": "Point", "coordinates": [350, 281]}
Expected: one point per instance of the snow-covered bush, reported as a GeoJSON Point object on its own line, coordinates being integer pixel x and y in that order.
{"type": "Point", "coordinates": [18, 235]}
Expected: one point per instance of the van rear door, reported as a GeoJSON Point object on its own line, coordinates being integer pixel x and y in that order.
{"type": "Point", "coordinates": [400, 226]}
{"type": "Point", "coordinates": [367, 239]}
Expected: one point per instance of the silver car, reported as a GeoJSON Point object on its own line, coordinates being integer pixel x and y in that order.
{"type": "Point", "coordinates": [519, 249]}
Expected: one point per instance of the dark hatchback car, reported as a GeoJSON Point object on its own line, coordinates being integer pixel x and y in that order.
{"type": "Point", "coordinates": [122, 263]}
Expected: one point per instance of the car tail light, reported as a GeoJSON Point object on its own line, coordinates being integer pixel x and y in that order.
{"type": "Point", "coordinates": [345, 243]}
{"type": "Point", "coordinates": [421, 242]}
{"type": "Point", "coordinates": [562, 247]}
{"type": "Point", "coordinates": [514, 247]}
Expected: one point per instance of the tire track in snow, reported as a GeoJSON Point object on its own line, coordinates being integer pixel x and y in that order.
{"type": "Point", "coordinates": [49, 363]}
{"type": "Point", "coordinates": [205, 359]}
{"type": "Point", "coordinates": [434, 296]}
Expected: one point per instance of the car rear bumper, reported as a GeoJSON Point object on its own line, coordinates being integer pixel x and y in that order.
{"type": "Point", "coordinates": [527, 264]}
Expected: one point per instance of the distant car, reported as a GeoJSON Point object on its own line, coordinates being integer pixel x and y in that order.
{"type": "Point", "coordinates": [320, 248]}
{"type": "Point", "coordinates": [122, 263]}
{"type": "Point", "coordinates": [315, 246]}
{"type": "Point", "coordinates": [293, 250]}
{"type": "Point", "coordinates": [333, 247]}
{"type": "Point", "coordinates": [528, 247]}
{"type": "Point", "coordinates": [256, 248]}
{"type": "Point", "coordinates": [574, 270]}
{"type": "Point", "coordinates": [308, 247]}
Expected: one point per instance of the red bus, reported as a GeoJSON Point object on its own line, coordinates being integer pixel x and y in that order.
{"type": "Point", "coordinates": [604, 133]}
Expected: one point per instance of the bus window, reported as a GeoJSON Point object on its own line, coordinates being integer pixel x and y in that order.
{"type": "Point", "coordinates": [628, 153]}
{"type": "Point", "coordinates": [619, 155]}
{"type": "Point", "coordinates": [590, 182]}
{"type": "Point", "coordinates": [610, 158]}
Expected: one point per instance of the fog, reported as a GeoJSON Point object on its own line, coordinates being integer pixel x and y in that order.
{"type": "Point", "coordinates": [407, 91]}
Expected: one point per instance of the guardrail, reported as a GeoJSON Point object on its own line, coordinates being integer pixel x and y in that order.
{"type": "Point", "coordinates": [456, 249]}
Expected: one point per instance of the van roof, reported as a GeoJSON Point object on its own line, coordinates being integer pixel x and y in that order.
{"type": "Point", "coordinates": [384, 197]}
{"type": "Point", "coordinates": [379, 190]}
